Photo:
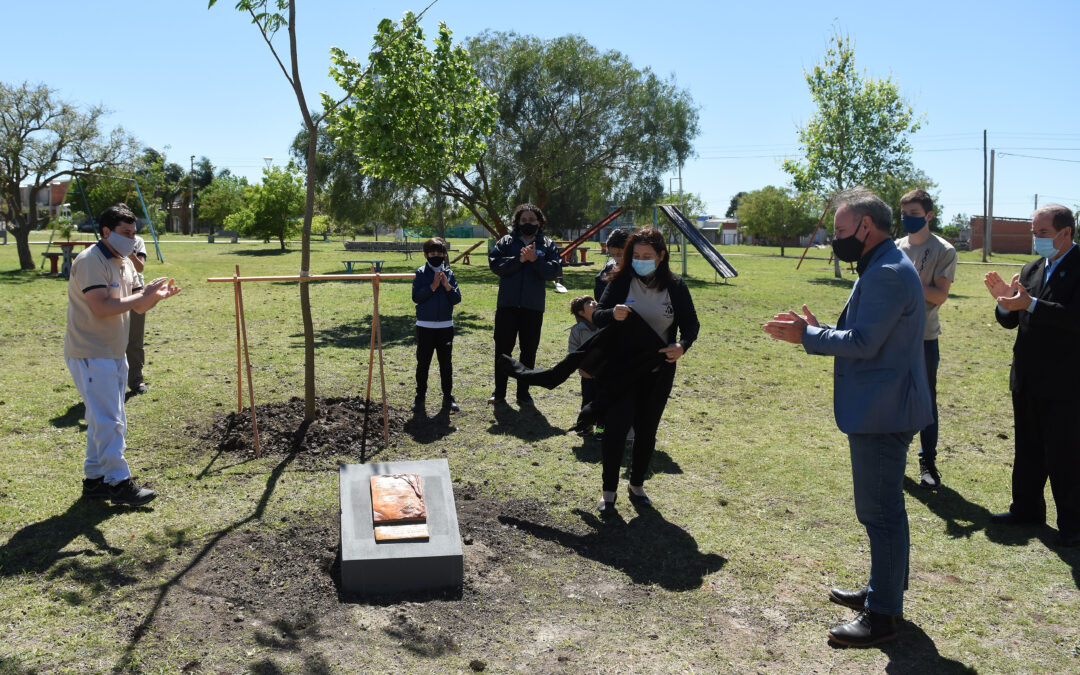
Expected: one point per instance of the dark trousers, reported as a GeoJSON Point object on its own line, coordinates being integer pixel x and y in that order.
{"type": "Point", "coordinates": [641, 408]}
{"type": "Point", "coordinates": [928, 436]}
{"type": "Point", "coordinates": [1047, 434]}
{"type": "Point", "coordinates": [440, 341]}
{"type": "Point", "coordinates": [135, 355]}
{"type": "Point", "coordinates": [516, 324]}
{"type": "Point", "coordinates": [588, 391]}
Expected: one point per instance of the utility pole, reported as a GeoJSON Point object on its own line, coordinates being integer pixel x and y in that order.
{"type": "Point", "coordinates": [985, 220]}
{"type": "Point", "coordinates": [989, 228]}
{"type": "Point", "coordinates": [191, 204]}
{"type": "Point", "coordinates": [1036, 201]}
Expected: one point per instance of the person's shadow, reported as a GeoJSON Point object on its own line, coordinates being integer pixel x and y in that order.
{"type": "Point", "coordinates": [424, 429]}
{"type": "Point", "coordinates": [648, 549]}
{"type": "Point", "coordinates": [914, 652]}
{"type": "Point", "coordinates": [71, 418]}
{"type": "Point", "coordinates": [528, 424]}
{"type": "Point", "coordinates": [591, 450]}
{"type": "Point", "coordinates": [964, 518]}
{"type": "Point", "coordinates": [39, 546]}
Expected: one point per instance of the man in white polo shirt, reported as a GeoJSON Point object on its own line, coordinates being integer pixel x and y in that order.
{"type": "Point", "coordinates": [99, 298]}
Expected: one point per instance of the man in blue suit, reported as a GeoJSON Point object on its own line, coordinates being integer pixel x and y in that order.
{"type": "Point", "coordinates": [881, 398]}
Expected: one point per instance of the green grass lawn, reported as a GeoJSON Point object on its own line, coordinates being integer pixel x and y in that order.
{"type": "Point", "coordinates": [754, 516]}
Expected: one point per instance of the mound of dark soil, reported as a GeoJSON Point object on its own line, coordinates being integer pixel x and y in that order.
{"type": "Point", "coordinates": [345, 427]}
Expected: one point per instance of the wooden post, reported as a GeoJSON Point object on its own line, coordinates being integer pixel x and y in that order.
{"type": "Point", "coordinates": [239, 358]}
{"type": "Point", "coordinates": [247, 360]}
{"type": "Point", "coordinates": [811, 242]}
{"type": "Point", "coordinates": [377, 329]}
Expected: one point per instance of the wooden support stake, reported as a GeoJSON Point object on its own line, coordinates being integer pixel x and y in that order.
{"type": "Point", "coordinates": [247, 360]}
{"type": "Point", "coordinates": [811, 242]}
{"type": "Point", "coordinates": [239, 357]}
{"type": "Point", "coordinates": [382, 375]}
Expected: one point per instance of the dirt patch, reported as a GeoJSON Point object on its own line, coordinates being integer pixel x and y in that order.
{"type": "Point", "coordinates": [346, 427]}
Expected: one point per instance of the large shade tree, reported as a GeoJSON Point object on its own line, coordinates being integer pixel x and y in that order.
{"type": "Point", "coordinates": [774, 214]}
{"type": "Point", "coordinates": [577, 128]}
{"type": "Point", "coordinates": [43, 139]}
{"type": "Point", "coordinates": [860, 132]}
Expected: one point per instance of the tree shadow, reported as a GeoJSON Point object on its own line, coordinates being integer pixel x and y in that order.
{"type": "Point", "coordinates": [37, 547]}
{"type": "Point", "coordinates": [913, 652]}
{"type": "Point", "coordinates": [843, 282]}
{"type": "Point", "coordinates": [528, 424]}
{"type": "Point", "coordinates": [261, 252]}
{"type": "Point", "coordinates": [71, 418]}
{"type": "Point", "coordinates": [10, 277]}
{"type": "Point", "coordinates": [401, 329]}
{"type": "Point", "coordinates": [648, 548]}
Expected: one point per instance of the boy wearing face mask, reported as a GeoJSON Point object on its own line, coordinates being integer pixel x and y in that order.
{"type": "Point", "coordinates": [100, 299]}
{"type": "Point", "coordinates": [435, 292]}
{"type": "Point", "coordinates": [935, 260]}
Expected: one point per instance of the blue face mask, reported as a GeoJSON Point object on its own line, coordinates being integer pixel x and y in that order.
{"type": "Point", "coordinates": [644, 268]}
{"type": "Point", "coordinates": [913, 224]}
{"type": "Point", "coordinates": [1044, 246]}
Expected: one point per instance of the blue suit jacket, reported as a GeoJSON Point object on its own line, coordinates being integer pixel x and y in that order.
{"type": "Point", "coordinates": [879, 375]}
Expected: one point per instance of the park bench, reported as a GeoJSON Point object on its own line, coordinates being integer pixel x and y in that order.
{"type": "Point", "coordinates": [54, 260]}
{"type": "Point", "coordinates": [376, 265]}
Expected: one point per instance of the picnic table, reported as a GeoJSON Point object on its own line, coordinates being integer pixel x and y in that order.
{"type": "Point", "coordinates": [67, 251]}
{"type": "Point", "coordinates": [376, 265]}
{"type": "Point", "coordinates": [581, 252]}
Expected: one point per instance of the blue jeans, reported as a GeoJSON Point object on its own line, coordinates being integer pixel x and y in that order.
{"type": "Point", "coordinates": [877, 471]}
{"type": "Point", "coordinates": [928, 436]}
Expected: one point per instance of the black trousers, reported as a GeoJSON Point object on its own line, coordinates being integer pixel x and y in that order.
{"type": "Point", "coordinates": [440, 341]}
{"type": "Point", "coordinates": [641, 407]}
{"type": "Point", "coordinates": [516, 324]}
{"type": "Point", "coordinates": [1047, 434]}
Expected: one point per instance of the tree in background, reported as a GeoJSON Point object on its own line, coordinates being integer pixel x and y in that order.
{"type": "Point", "coordinates": [418, 116]}
{"type": "Point", "coordinates": [577, 129]}
{"type": "Point", "coordinates": [222, 198]}
{"type": "Point", "coordinates": [43, 139]}
{"type": "Point", "coordinates": [775, 214]}
{"type": "Point", "coordinates": [893, 186]}
{"type": "Point", "coordinates": [860, 132]}
{"type": "Point", "coordinates": [271, 210]}
{"type": "Point", "coordinates": [733, 206]}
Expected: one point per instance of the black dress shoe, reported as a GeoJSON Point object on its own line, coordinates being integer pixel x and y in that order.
{"type": "Point", "coordinates": [449, 403]}
{"type": "Point", "coordinates": [866, 629]}
{"type": "Point", "coordinates": [638, 500]}
{"type": "Point", "coordinates": [853, 599]}
{"type": "Point", "coordinates": [1010, 518]}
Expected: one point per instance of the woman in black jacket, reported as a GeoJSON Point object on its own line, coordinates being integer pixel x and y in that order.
{"type": "Point", "coordinates": [645, 286]}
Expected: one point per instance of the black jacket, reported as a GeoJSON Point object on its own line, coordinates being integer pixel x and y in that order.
{"type": "Point", "coordinates": [1045, 357]}
{"type": "Point", "coordinates": [524, 284]}
{"type": "Point", "coordinates": [434, 305]}
{"type": "Point", "coordinates": [601, 283]}
{"type": "Point", "coordinates": [686, 320]}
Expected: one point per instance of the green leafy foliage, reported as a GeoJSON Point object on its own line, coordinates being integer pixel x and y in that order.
{"type": "Point", "coordinates": [223, 197]}
{"type": "Point", "coordinates": [773, 214]}
{"type": "Point", "coordinates": [271, 210]}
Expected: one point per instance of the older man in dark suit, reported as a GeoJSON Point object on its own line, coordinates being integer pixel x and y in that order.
{"type": "Point", "coordinates": [1043, 302]}
{"type": "Point", "coordinates": [881, 397]}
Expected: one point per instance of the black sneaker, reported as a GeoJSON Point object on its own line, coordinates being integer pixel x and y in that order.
{"type": "Point", "coordinates": [929, 477]}
{"type": "Point", "coordinates": [141, 388]}
{"type": "Point", "coordinates": [418, 404]}
{"type": "Point", "coordinates": [448, 403]}
{"type": "Point", "coordinates": [94, 488]}
{"type": "Point", "coordinates": [128, 492]}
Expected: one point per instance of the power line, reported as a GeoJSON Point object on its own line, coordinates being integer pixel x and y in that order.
{"type": "Point", "coordinates": [1049, 159]}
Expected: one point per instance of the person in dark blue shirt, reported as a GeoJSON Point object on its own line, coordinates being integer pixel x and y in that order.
{"type": "Point", "coordinates": [435, 292]}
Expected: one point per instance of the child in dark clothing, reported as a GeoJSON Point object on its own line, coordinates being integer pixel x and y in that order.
{"type": "Point", "coordinates": [582, 308]}
{"type": "Point", "coordinates": [435, 292]}
{"type": "Point", "coordinates": [616, 244]}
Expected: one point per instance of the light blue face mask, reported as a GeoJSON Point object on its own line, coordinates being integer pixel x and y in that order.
{"type": "Point", "coordinates": [644, 268]}
{"type": "Point", "coordinates": [1044, 246]}
{"type": "Point", "coordinates": [913, 224]}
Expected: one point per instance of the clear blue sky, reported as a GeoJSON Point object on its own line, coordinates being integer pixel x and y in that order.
{"type": "Point", "coordinates": [189, 80]}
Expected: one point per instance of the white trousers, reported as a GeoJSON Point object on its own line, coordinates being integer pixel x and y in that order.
{"type": "Point", "coordinates": [101, 384]}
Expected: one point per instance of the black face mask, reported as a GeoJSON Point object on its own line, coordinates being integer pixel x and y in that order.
{"type": "Point", "coordinates": [528, 229]}
{"type": "Point", "coordinates": [848, 249]}
{"type": "Point", "coordinates": [436, 260]}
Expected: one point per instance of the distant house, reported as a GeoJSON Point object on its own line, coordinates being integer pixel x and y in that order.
{"type": "Point", "coordinates": [1007, 235]}
{"type": "Point", "coordinates": [49, 200]}
{"type": "Point", "coordinates": [723, 231]}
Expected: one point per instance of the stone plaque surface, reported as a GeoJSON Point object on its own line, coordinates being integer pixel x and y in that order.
{"type": "Point", "coordinates": [369, 566]}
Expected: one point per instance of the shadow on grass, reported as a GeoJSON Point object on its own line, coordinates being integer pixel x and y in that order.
{"type": "Point", "coordinates": [127, 660]}
{"type": "Point", "coordinates": [395, 330]}
{"type": "Point", "coordinates": [844, 282]}
{"type": "Point", "coordinates": [9, 277]}
{"type": "Point", "coordinates": [261, 252]}
{"type": "Point", "coordinates": [71, 418]}
{"type": "Point", "coordinates": [648, 549]}
{"type": "Point", "coordinates": [424, 429]}
{"type": "Point", "coordinates": [37, 547]}
{"type": "Point", "coordinates": [314, 664]}
{"type": "Point", "coordinates": [964, 518]}
{"type": "Point", "coordinates": [590, 450]}
{"type": "Point", "coordinates": [528, 423]}
{"type": "Point", "coordinates": [914, 652]}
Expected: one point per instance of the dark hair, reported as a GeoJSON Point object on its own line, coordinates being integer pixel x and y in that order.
{"type": "Point", "coordinates": [865, 203]}
{"type": "Point", "coordinates": [920, 197]}
{"type": "Point", "coordinates": [522, 208]}
{"type": "Point", "coordinates": [577, 305]}
{"type": "Point", "coordinates": [116, 214]}
{"type": "Point", "coordinates": [617, 238]}
{"type": "Point", "coordinates": [663, 277]}
{"type": "Point", "coordinates": [434, 244]}
{"type": "Point", "coordinates": [1062, 217]}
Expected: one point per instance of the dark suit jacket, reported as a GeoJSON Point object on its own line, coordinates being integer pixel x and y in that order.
{"type": "Point", "coordinates": [1045, 355]}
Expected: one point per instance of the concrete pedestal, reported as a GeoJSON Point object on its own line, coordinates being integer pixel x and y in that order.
{"type": "Point", "coordinates": [370, 568]}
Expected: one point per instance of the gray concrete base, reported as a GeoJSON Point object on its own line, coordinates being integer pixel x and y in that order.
{"type": "Point", "coordinates": [371, 568]}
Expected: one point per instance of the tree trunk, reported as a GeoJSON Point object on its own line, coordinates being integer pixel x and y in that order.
{"type": "Point", "coordinates": [781, 250]}
{"type": "Point", "coordinates": [22, 245]}
{"type": "Point", "coordinates": [305, 296]}
{"type": "Point", "coordinates": [281, 240]}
